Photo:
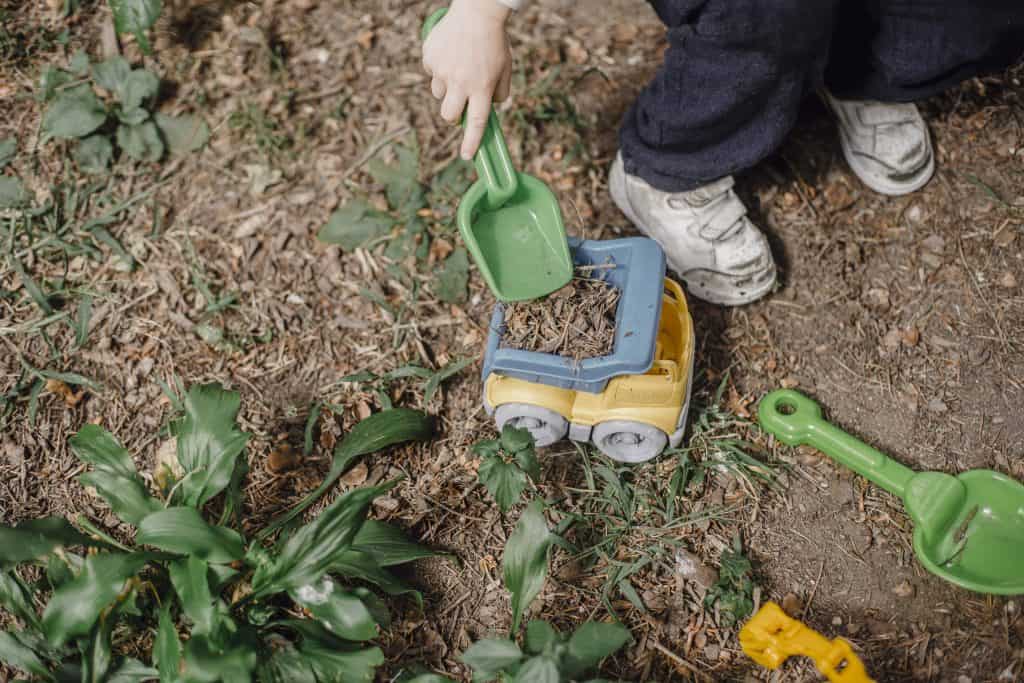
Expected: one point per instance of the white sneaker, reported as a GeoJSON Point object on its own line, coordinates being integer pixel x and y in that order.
{"type": "Point", "coordinates": [708, 239]}
{"type": "Point", "coordinates": [886, 145]}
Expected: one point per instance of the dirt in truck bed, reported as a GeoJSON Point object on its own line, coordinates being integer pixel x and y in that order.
{"type": "Point", "coordinates": [577, 321]}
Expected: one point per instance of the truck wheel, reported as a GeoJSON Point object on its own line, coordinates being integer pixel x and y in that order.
{"type": "Point", "coordinates": [547, 426]}
{"type": "Point", "coordinates": [628, 441]}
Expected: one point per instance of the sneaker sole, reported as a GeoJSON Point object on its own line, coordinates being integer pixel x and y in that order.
{"type": "Point", "coordinates": [745, 296]}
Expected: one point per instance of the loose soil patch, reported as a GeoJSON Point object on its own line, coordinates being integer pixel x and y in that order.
{"type": "Point", "coordinates": [577, 321]}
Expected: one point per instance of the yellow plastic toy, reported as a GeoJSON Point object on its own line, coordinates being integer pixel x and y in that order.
{"type": "Point", "coordinates": [633, 419]}
{"type": "Point", "coordinates": [771, 636]}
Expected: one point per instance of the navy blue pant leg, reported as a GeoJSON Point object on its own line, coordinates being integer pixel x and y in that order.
{"type": "Point", "coordinates": [736, 70]}
{"type": "Point", "coordinates": [906, 50]}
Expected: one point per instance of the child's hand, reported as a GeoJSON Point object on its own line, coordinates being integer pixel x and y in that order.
{"type": "Point", "coordinates": [468, 56]}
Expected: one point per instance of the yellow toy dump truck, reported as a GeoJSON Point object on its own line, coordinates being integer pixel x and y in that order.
{"type": "Point", "coordinates": [632, 403]}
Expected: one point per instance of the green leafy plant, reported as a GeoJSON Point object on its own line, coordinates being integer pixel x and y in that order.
{"type": "Point", "coordinates": [357, 223]}
{"type": "Point", "coordinates": [732, 596]}
{"type": "Point", "coordinates": [380, 385]}
{"type": "Point", "coordinates": [505, 464]}
{"type": "Point", "coordinates": [287, 611]}
{"type": "Point", "coordinates": [123, 115]}
{"type": "Point", "coordinates": [547, 655]}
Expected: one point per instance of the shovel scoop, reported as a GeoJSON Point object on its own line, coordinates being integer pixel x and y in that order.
{"type": "Point", "coordinates": [968, 529]}
{"type": "Point", "coordinates": [510, 221]}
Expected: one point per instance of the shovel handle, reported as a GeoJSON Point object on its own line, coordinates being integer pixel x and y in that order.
{"type": "Point", "coordinates": [796, 420]}
{"type": "Point", "coordinates": [492, 160]}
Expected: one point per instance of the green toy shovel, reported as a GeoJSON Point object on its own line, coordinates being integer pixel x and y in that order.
{"type": "Point", "coordinates": [510, 221]}
{"type": "Point", "coordinates": [968, 529]}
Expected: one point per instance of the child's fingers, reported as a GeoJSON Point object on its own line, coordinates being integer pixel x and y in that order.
{"type": "Point", "coordinates": [504, 85]}
{"type": "Point", "coordinates": [452, 106]}
{"type": "Point", "coordinates": [438, 88]}
{"type": "Point", "coordinates": [476, 121]}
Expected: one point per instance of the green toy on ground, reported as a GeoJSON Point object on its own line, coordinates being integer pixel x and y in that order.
{"type": "Point", "coordinates": [968, 529]}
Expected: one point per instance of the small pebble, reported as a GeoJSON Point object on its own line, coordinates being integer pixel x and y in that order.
{"type": "Point", "coordinates": [837, 621]}
{"type": "Point", "coordinates": [792, 604]}
{"type": "Point", "coordinates": [904, 589]}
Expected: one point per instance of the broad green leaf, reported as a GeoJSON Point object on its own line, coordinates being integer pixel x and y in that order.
{"type": "Point", "coordinates": [61, 569]}
{"type": "Point", "coordinates": [375, 604]}
{"type": "Point", "coordinates": [527, 461]}
{"type": "Point", "coordinates": [141, 142]}
{"type": "Point", "coordinates": [452, 182]}
{"type": "Point", "coordinates": [209, 442]}
{"type": "Point", "coordinates": [404, 192]}
{"type": "Point", "coordinates": [428, 678]}
{"type": "Point", "coordinates": [111, 74]}
{"type": "Point", "coordinates": [139, 86]}
{"type": "Point", "coordinates": [354, 564]}
{"type": "Point", "coordinates": [486, 448]}
{"type": "Point", "coordinates": [76, 605]}
{"type": "Point", "coordinates": [434, 383]}
{"type": "Point", "coordinates": [492, 655]}
{"type": "Point", "coordinates": [114, 476]}
{"type": "Point", "coordinates": [388, 544]}
{"type": "Point", "coordinates": [135, 17]}
{"type": "Point", "coordinates": [96, 655]}
{"type": "Point", "coordinates": [14, 653]}
{"type": "Point", "coordinates": [94, 153]}
{"type": "Point", "coordinates": [191, 582]}
{"type": "Point", "coordinates": [343, 613]}
{"type": "Point", "coordinates": [380, 430]}
{"type": "Point", "coordinates": [12, 192]}
{"type": "Point", "coordinates": [167, 648]}
{"type": "Point", "coordinates": [453, 278]}
{"type": "Point", "coordinates": [525, 563]}
{"type": "Point", "coordinates": [183, 134]}
{"type": "Point", "coordinates": [35, 539]}
{"type": "Point", "coordinates": [592, 642]}
{"type": "Point", "coordinates": [79, 63]}
{"type": "Point", "coordinates": [308, 553]}
{"type": "Point", "coordinates": [341, 665]}
{"type": "Point", "coordinates": [74, 113]}
{"type": "Point", "coordinates": [16, 599]}
{"type": "Point", "coordinates": [132, 671]}
{"type": "Point", "coordinates": [332, 658]}
{"type": "Point", "coordinates": [287, 665]}
{"type": "Point", "coordinates": [515, 439]}
{"type": "Point", "coordinates": [230, 659]}
{"type": "Point", "coordinates": [504, 480]}
{"type": "Point", "coordinates": [50, 79]}
{"type": "Point", "coordinates": [132, 117]}
{"type": "Point", "coordinates": [183, 530]}
{"type": "Point", "coordinates": [537, 670]}
{"type": "Point", "coordinates": [354, 224]}
{"type": "Point", "coordinates": [8, 148]}
{"type": "Point", "coordinates": [540, 635]}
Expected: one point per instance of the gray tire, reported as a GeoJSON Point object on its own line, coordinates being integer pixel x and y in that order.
{"type": "Point", "coordinates": [628, 441]}
{"type": "Point", "coordinates": [547, 426]}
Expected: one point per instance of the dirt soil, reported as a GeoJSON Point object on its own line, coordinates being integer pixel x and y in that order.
{"type": "Point", "coordinates": [576, 321]}
{"type": "Point", "coordinates": [901, 315]}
